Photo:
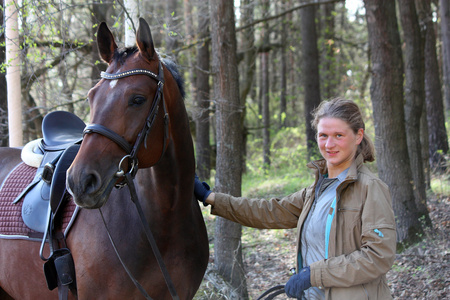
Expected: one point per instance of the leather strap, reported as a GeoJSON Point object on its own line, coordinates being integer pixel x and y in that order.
{"type": "Point", "coordinates": [100, 129]}
{"type": "Point", "coordinates": [151, 240]}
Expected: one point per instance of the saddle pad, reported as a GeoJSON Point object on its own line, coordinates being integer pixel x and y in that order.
{"type": "Point", "coordinates": [11, 222]}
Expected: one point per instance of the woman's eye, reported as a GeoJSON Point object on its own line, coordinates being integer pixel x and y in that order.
{"type": "Point", "coordinates": [138, 101]}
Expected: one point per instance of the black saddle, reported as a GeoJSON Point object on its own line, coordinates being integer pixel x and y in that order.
{"type": "Point", "coordinates": [60, 130]}
{"type": "Point", "coordinates": [43, 198]}
{"type": "Point", "coordinates": [62, 135]}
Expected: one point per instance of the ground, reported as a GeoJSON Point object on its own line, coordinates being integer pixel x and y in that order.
{"type": "Point", "coordinates": [420, 272]}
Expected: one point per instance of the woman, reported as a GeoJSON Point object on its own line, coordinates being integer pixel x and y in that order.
{"type": "Point", "coordinates": [346, 228]}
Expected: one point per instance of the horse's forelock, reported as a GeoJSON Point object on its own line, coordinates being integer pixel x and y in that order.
{"type": "Point", "coordinates": [122, 54]}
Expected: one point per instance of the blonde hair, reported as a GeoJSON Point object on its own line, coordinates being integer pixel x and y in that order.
{"type": "Point", "coordinates": [349, 112]}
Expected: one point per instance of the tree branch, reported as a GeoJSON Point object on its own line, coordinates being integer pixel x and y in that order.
{"type": "Point", "coordinates": [207, 39]}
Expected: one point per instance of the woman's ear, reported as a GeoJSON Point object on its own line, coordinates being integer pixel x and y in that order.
{"type": "Point", "coordinates": [359, 136]}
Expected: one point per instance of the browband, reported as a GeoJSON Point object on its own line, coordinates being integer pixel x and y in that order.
{"type": "Point", "coordinates": [123, 74]}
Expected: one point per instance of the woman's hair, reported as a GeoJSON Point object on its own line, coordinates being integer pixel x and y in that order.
{"type": "Point", "coordinates": [349, 112]}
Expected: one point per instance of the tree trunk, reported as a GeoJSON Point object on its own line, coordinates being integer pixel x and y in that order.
{"type": "Point", "coordinates": [328, 70]}
{"type": "Point", "coordinates": [13, 74]}
{"type": "Point", "coordinates": [283, 77]}
{"type": "Point", "coordinates": [445, 37]}
{"type": "Point", "coordinates": [228, 248]}
{"type": "Point", "coordinates": [202, 120]}
{"type": "Point", "coordinates": [99, 14]}
{"type": "Point", "coordinates": [414, 96]}
{"type": "Point", "coordinates": [310, 69]}
{"type": "Point", "coordinates": [3, 91]}
{"type": "Point", "coordinates": [248, 65]}
{"type": "Point", "coordinates": [438, 142]}
{"type": "Point", "coordinates": [249, 51]}
{"type": "Point", "coordinates": [131, 21]}
{"type": "Point", "coordinates": [389, 117]}
{"type": "Point", "coordinates": [265, 109]}
{"type": "Point", "coordinates": [172, 25]}
{"type": "Point", "coordinates": [189, 36]}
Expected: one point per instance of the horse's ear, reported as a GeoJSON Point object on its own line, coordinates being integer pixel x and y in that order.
{"type": "Point", "coordinates": [144, 40]}
{"type": "Point", "coordinates": [106, 43]}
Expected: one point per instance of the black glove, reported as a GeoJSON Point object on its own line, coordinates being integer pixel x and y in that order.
{"type": "Point", "coordinates": [201, 190]}
{"type": "Point", "coordinates": [298, 283]}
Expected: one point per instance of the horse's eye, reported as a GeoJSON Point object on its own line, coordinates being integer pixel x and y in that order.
{"type": "Point", "coordinates": [137, 101]}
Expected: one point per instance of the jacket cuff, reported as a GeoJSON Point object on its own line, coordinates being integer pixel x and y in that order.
{"type": "Point", "coordinates": [221, 202]}
{"type": "Point", "coordinates": [316, 275]}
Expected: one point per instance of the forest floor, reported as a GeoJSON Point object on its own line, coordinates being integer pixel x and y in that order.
{"type": "Point", "coordinates": [422, 271]}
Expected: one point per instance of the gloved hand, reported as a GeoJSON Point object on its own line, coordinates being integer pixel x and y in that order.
{"type": "Point", "coordinates": [298, 283]}
{"type": "Point", "coordinates": [201, 190]}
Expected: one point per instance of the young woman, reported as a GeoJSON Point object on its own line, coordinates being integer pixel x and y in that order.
{"type": "Point", "coordinates": [346, 228]}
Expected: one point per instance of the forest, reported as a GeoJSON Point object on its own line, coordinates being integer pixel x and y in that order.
{"type": "Point", "coordinates": [254, 93]}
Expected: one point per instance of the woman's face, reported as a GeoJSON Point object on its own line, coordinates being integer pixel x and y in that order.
{"type": "Point", "coordinates": [337, 144]}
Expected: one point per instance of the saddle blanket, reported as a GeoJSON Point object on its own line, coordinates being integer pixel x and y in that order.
{"type": "Point", "coordinates": [11, 222]}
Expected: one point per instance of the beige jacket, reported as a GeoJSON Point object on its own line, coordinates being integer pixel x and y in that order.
{"type": "Point", "coordinates": [362, 236]}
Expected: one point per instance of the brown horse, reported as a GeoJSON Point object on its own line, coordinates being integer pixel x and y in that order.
{"type": "Point", "coordinates": [121, 105]}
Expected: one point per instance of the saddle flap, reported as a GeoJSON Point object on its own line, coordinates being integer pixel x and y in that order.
{"type": "Point", "coordinates": [58, 186]}
{"type": "Point", "coordinates": [43, 193]}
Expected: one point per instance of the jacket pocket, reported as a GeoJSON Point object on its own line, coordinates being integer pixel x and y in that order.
{"type": "Point", "coordinates": [349, 229]}
{"type": "Point", "coordinates": [357, 292]}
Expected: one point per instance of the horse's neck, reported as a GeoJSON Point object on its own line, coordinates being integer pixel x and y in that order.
{"type": "Point", "coordinates": [172, 176]}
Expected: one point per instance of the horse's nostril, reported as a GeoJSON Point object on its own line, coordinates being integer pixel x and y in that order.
{"type": "Point", "coordinates": [92, 183]}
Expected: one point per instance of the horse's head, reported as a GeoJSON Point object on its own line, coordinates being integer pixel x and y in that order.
{"type": "Point", "coordinates": [128, 118]}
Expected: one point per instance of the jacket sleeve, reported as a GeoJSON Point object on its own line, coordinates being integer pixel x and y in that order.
{"type": "Point", "coordinates": [260, 213]}
{"type": "Point", "coordinates": [378, 244]}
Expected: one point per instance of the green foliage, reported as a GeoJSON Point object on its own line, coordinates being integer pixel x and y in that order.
{"type": "Point", "coordinates": [288, 172]}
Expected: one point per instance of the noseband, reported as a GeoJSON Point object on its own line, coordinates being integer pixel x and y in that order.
{"type": "Point", "coordinates": [132, 150]}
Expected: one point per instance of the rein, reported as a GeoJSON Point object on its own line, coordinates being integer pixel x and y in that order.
{"type": "Point", "coordinates": [131, 155]}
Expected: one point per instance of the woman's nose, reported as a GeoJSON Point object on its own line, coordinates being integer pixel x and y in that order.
{"type": "Point", "coordinates": [329, 143]}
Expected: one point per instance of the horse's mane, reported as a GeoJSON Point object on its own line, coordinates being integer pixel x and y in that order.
{"type": "Point", "coordinates": [121, 55]}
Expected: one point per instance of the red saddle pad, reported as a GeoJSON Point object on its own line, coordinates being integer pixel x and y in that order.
{"type": "Point", "coordinates": [11, 223]}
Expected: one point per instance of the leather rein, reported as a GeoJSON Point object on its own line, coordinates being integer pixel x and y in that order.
{"type": "Point", "coordinates": [131, 155]}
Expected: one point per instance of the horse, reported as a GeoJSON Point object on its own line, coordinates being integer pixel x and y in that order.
{"type": "Point", "coordinates": [128, 136]}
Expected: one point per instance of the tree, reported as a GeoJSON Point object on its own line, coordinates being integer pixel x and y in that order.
{"type": "Point", "coordinates": [13, 74]}
{"type": "Point", "coordinates": [414, 99]}
{"type": "Point", "coordinates": [171, 13]}
{"type": "Point", "coordinates": [437, 133]}
{"type": "Point", "coordinates": [310, 69]}
{"type": "Point", "coordinates": [265, 85]}
{"type": "Point", "coordinates": [445, 38]}
{"type": "Point", "coordinates": [132, 11]}
{"type": "Point", "coordinates": [228, 248]}
{"type": "Point", "coordinates": [3, 94]}
{"type": "Point", "coordinates": [201, 115]}
{"type": "Point", "coordinates": [387, 102]}
{"type": "Point", "coordinates": [328, 64]}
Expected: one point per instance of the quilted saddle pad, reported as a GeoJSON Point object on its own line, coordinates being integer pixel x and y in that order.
{"type": "Point", "coordinates": [11, 222]}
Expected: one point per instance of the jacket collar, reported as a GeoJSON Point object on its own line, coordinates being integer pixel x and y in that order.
{"type": "Point", "coordinates": [320, 167]}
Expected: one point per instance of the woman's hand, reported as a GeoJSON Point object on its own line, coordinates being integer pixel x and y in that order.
{"type": "Point", "coordinates": [201, 190]}
{"type": "Point", "coordinates": [298, 283]}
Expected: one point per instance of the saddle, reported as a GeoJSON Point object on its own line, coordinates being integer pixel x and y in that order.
{"type": "Point", "coordinates": [45, 195]}
{"type": "Point", "coordinates": [62, 135]}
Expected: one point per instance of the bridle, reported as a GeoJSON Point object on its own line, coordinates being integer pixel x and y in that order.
{"type": "Point", "coordinates": [132, 150]}
{"type": "Point", "coordinates": [131, 155]}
